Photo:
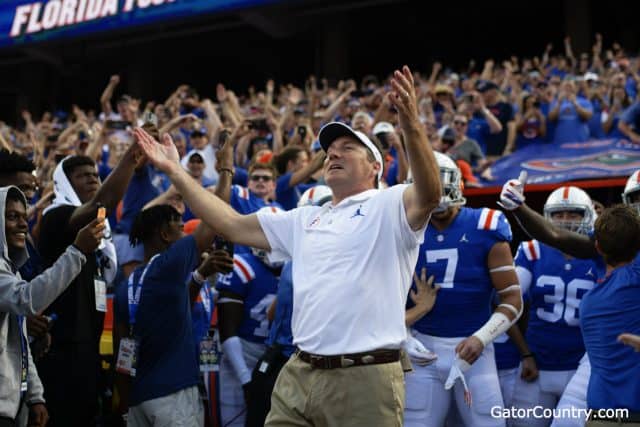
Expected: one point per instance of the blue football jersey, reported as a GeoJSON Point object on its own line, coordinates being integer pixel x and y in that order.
{"type": "Point", "coordinates": [257, 285]}
{"type": "Point", "coordinates": [555, 290]}
{"type": "Point", "coordinates": [280, 331]}
{"type": "Point", "coordinates": [507, 354]}
{"type": "Point", "coordinates": [245, 202]}
{"type": "Point", "coordinates": [609, 309]}
{"type": "Point", "coordinates": [457, 257]}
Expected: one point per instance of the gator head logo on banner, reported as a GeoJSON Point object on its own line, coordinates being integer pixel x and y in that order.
{"type": "Point", "coordinates": [610, 161]}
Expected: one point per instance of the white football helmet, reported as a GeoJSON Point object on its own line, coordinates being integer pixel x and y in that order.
{"type": "Point", "coordinates": [451, 180]}
{"type": "Point", "coordinates": [571, 199]}
{"type": "Point", "coordinates": [315, 196]}
{"type": "Point", "coordinates": [262, 254]}
{"type": "Point", "coordinates": [632, 187]}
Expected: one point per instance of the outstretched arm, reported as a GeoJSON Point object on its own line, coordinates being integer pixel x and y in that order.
{"type": "Point", "coordinates": [241, 229]}
{"type": "Point", "coordinates": [423, 195]}
{"type": "Point", "coordinates": [536, 226]}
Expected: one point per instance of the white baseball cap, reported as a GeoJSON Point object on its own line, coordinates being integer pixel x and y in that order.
{"type": "Point", "coordinates": [383, 127]}
{"type": "Point", "coordinates": [334, 130]}
{"type": "Point", "coordinates": [590, 76]}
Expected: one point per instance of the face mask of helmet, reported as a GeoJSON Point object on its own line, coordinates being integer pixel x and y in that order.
{"type": "Point", "coordinates": [570, 199]}
{"type": "Point", "coordinates": [577, 226]}
{"type": "Point", "coordinates": [631, 194]}
{"type": "Point", "coordinates": [451, 189]}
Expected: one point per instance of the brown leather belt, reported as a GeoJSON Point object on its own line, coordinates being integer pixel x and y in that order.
{"type": "Point", "coordinates": [374, 357]}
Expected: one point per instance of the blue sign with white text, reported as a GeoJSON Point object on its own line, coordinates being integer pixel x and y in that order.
{"type": "Point", "coordinates": [23, 21]}
{"type": "Point", "coordinates": [560, 162]}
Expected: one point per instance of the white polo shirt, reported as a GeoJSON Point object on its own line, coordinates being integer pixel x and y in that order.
{"type": "Point", "coordinates": [352, 268]}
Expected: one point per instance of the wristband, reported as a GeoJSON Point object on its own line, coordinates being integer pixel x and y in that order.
{"type": "Point", "coordinates": [524, 356]}
{"type": "Point", "coordinates": [497, 324]}
{"type": "Point", "coordinates": [230, 171]}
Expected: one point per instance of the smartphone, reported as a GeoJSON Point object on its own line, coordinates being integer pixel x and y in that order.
{"type": "Point", "coordinates": [302, 131]}
{"type": "Point", "coordinates": [225, 245]}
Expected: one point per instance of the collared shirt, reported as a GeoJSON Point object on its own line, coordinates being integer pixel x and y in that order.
{"type": "Point", "coordinates": [352, 268]}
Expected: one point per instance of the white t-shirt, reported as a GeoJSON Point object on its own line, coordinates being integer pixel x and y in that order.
{"type": "Point", "coordinates": [352, 269]}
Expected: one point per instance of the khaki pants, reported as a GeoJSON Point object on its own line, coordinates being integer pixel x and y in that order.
{"type": "Point", "coordinates": [371, 396]}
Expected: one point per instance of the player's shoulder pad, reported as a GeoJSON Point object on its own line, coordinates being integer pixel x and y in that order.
{"type": "Point", "coordinates": [242, 192]}
{"type": "Point", "coordinates": [531, 250]}
{"type": "Point", "coordinates": [494, 222]}
{"type": "Point", "coordinates": [243, 269]}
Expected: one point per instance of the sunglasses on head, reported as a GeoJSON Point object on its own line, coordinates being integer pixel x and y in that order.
{"type": "Point", "coordinates": [266, 178]}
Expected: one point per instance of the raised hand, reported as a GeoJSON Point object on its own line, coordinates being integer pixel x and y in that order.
{"type": "Point", "coordinates": [163, 156]}
{"type": "Point", "coordinates": [88, 238]}
{"type": "Point", "coordinates": [512, 194]}
{"type": "Point", "coordinates": [403, 97]}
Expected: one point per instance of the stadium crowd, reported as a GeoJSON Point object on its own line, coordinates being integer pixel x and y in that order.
{"type": "Point", "coordinates": [174, 254]}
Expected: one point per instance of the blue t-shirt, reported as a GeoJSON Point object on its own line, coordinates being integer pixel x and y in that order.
{"type": "Point", "coordinates": [167, 358]}
{"type": "Point", "coordinates": [529, 134]}
{"type": "Point", "coordinates": [257, 285]}
{"type": "Point", "coordinates": [595, 122]}
{"type": "Point", "coordinates": [551, 126]}
{"type": "Point", "coordinates": [145, 185]}
{"type": "Point", "coordinates": [608, 310]}
{"type": "Point", "coordinates": [569, 127]}
{"type": "Point", "coordinates": [457, 257]}
{"type": "Point", "coordinates": [557, 286]}
{"type": "Point", "coordinates": [631, 116]}
{"type": "Point", "coordinates": [280, 331]}
{"type": "Point", "coordinates": [479, 130]}
{"type": "Point", "coordinates": [286, 195]}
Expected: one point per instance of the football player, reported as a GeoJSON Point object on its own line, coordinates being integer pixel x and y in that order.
{"type": "Point", "coordinates": [467, 250]}
{"type": "Point", "coordinates": [579, 245]}
{"type": "Point", "coordinates": [555, 283]}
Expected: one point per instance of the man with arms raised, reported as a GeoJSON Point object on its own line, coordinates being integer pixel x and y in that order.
{"type": "Point", "coordinates": [341, 253]}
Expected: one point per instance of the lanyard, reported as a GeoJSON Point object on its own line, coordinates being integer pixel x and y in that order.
{"type": "Point", "coordinates": [134, 291]}
{"type": "Point", "coordinates": [205, 296]}
{"type": "Point", "coordinates": [24, 353]}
